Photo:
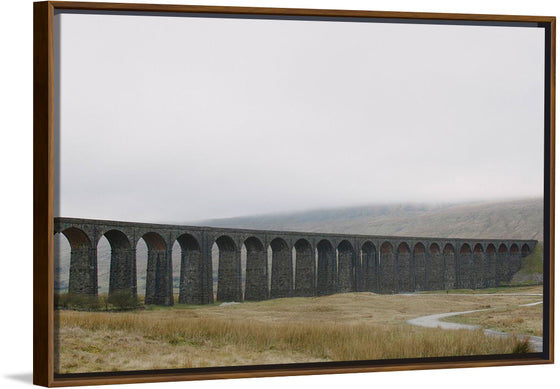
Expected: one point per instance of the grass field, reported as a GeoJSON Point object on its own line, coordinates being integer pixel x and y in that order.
{"type": "Point", "coordinates": [513, 319]}
{"type": "Point", "coordinates": [353, 326]}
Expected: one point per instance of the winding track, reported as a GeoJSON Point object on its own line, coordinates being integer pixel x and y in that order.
{"type": "Point", "coordinates": [434, 321]}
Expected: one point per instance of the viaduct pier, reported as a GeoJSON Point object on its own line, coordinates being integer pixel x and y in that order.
{"type": "Point", "coordinates": [302, 264]}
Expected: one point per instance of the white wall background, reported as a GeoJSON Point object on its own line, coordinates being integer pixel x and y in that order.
{"type": "Point", "coordinates": [16, 199]}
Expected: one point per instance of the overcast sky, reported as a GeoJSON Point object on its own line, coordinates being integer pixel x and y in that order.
{"type": "Point", "coordinates": [179, 118]}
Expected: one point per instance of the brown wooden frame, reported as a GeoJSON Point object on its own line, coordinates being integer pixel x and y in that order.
{"type": "Point", "coordinates": [43, 273]}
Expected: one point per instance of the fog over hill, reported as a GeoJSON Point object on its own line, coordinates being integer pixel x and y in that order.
{"type": "Point", "coordinates": [512, 219]}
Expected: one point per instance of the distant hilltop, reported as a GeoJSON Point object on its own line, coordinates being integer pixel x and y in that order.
{"type": "Point", "coordinates": [509, 219]}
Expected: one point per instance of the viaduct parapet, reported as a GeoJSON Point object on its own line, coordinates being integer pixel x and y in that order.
{"type": "Point", "coordinates": [302, 264]}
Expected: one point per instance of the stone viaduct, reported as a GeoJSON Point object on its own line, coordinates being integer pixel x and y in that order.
{"type": "Point", "coordinates": [303, 264]}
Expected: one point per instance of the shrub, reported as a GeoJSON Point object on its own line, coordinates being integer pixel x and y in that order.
{"type": "Point", "coordinates": [522, 346]}
{"type": "Point", "coordinates": [76, 301]}
{"type": "Point", "coordinates": [123, 299]}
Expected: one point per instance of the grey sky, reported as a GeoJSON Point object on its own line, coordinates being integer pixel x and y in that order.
{"type": "Point", "coordinates": [177, 119]}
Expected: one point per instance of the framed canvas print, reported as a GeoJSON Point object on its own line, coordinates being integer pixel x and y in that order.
{"type": "Point", "coordinates": [227, 192]}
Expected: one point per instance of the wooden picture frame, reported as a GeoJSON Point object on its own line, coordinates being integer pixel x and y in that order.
{"type": "Point", "coordinates": [43, 198]}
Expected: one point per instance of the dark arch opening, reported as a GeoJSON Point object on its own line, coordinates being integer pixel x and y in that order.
{"type": "Point", "coordinates": [253, 244]}
{"type": "Point", "coordinates": [229, 270]}
{"type": "Point", "coordinates": [479, 267]}
{"type": "Point", "coordinates": [256, 270]}
{"type": "Point", "coordinates": [449, 267]}
{"type": "Point", "coordinates": [386, 248]}
{"type": "Point", "coordinates": [188, 242]}
{"type": "Point", "coordinates": [369, 267]}
{"type": "Point", "coordinates": [435, 268]}
{"type": "Point", "coordinates": [191, 273]}
{"type": "Point", "coordinates": [525, 250]}
{"type": "Point", "coordinates": [75, 263]}
{"type": "Point", "coordinates": [225, 243]}
{"type": "Point", "coordinates": [368, 247]}
{"type": "Point", "coordinates": [514, 249]}
{"type": "Point", "coordinates": [346, 267]}
{"type": "Point", "coordinates": [434, 248]}
{"type": "Point", "coordinates": [281, 282]}
{"type": "Point", "coordinates": [405, 270]}
{"type": "Point", "coordinates": [158, 270]}
{"type": "Point", "coordinates": [122, 277]}
{"type": "Point", "coordinates": [76, 237]}
{"type": "Point", "coordinates": [449, 249]}
{"type": "Point", "coordinates": [326, 268]}
{"type": "Point", "coordinates": [305, 268]}
{"type": "Point", "coordinates": [403, 248]}
{"type": "Point", "coordinates": [278, 244]}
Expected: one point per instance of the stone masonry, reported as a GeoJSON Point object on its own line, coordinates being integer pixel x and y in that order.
{"type": "Point", "coordinates": [303, 264]}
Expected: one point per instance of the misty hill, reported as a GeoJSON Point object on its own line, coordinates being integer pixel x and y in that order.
{"type": "Point", "coordinates": [513, 219]}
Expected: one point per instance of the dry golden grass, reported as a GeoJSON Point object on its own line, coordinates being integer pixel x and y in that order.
{"type": "Point", "coordinates": [355, 326]}
{"type": "Point", "coordinates": [513, 319]}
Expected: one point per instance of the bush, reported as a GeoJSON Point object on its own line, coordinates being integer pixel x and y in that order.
{"type": "Point", "coordinates": [76, 301]}
{"type": "Point", "coordinates": [522, 346]}
{"type": "Point", "coordinates": [123, 299]}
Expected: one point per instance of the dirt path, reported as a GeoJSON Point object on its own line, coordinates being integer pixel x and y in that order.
{"type": "Point", "coordinates": [434, 321]}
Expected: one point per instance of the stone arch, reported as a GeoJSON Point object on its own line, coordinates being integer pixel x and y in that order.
{"type": "Point", "coordinates": [479, 259]}
{"type": "Point", "coordinates": [419, 261]}
{"type": "Point", "coordinates": [159, 278]}
{"type": "Point", "coordinates": [387, 268]}
{"type": "Point", "coordinates": [449, 267]}
{"type": "Point", "coordinates": [82, 277]}
{"type": "Point", "coordinates": [346, 267]}
{"type": "Point", "coordinates": [305, 268]}
{"type": "Point", "coordinates": [326, 268]}
{"type": "Point", "coordinates": [465, 271]}
{"type": "Point", "coordinates": [490, 266]}
{"type": "Point", "coordinates": [369, 267]}
{"type": "Point", "coordinates": [229, 270]}
{"type": "Point", "coordinates": [76, 237]}
{"type": "Point", "coordinates": [190, 279]}
{"type": "Point", "coordinates": [525, 250]}
{"type": "Point", "coordinates": [256, 279]}
{"type": "Point", "coordinates": [281, 283]}
{"type": "Point", "coordinates": [404, 268]}
{"type": "Point", "coordinates": [122, 278]}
